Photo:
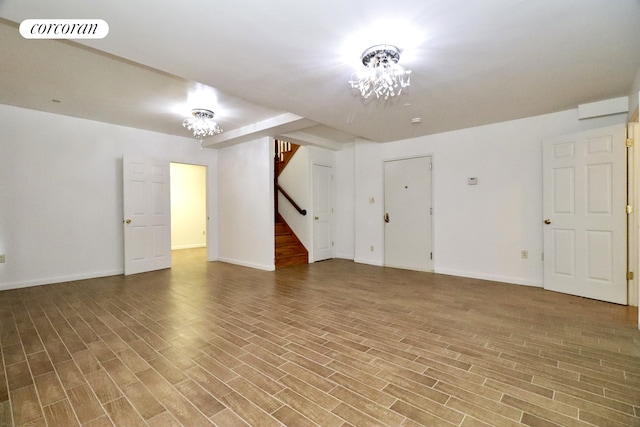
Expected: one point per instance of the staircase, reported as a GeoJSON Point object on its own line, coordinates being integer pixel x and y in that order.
{"type": "Point", "coordinates": [289, 250]}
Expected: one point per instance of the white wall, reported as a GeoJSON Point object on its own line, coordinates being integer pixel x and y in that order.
{"type": "Point", "coordinates": [479, 230]}
{"type": "Point", "coordinates": [245, 200]}
{"type": "Point", "coordinates": [61, 193]}
{"type": "Point", "coordinates": [188, 206]}
{"type": "Point", "coordinates": [344, 209]}
{"type": "Point", "coordinates": [634, 95]}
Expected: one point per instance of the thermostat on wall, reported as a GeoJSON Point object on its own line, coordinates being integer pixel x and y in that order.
{"type": "Point", "coordinates": [472, 180]}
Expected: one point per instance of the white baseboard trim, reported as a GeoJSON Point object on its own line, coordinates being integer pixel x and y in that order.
{"type": "Point", "coordinates": [60, 279]}
{"type": "Point", "coordinates": [177, 248]}
{"type": "Point", "coordinates": [491, 277]}
{"type": "Point", "coordinates": [368, 261]}
{"type": "Point", "coordinates": [247, 264]}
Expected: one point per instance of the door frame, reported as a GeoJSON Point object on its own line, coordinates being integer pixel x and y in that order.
{"type": "Point", "coordinates": [432, 213]}
{"type": "Point", "coordinates": [211, 252]}
{"type": "Point", "coordinates": [633, 265]}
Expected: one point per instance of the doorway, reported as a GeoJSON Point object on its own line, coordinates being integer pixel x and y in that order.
{"type": "Point", "coordinates": [188, 210]}
{"type": "Point", "coordinates": [408, 226]}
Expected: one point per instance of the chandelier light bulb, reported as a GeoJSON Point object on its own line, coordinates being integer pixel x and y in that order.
{"type": "Point", "coordinates": [382, 76]}
{"type": "Point", "coordinates": [201, 124]}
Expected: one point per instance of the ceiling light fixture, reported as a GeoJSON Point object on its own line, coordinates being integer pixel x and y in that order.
{"type": "Point", "coordinates": [201, 124]}
{"type": "Point", "coordinates": [382, 76]}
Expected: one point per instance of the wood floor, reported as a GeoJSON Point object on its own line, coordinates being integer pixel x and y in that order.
{"type": "Point", "coordinates": [332, 344]}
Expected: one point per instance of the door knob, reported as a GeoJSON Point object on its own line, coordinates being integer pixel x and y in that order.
{"type": "Point", "coordinates": [316, 218]}
{"type": "Point", "coordinates": [128, 221]}
{"type": "Point", "coordinates": [386, 217]}
{"type": "Point", "coordinates": [547, 221]}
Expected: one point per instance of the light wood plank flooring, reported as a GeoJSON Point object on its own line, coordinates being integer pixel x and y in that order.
{"type": "Point", "coordinates": [331, 344]}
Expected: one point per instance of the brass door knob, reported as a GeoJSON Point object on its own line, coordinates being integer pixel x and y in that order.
{"type": "Point", "coordinates": [128, 221]}
{"type": "Point", "coordinates": [547, 221]}
{"type": "Point", "coordinates": [316, 218]}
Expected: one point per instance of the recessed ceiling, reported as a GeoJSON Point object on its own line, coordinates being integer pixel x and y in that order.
{"type": "Point", "coordinates": [472, 63]}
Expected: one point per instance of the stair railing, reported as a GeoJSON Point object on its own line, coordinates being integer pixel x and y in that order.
{"type": "Point", "coordinates": [293, 203]}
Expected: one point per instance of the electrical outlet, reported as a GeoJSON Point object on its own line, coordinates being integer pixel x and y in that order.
{"type": "Point", "coordinates": [524, 254]}
{"type": "Point", "coordinates": [2, 258]}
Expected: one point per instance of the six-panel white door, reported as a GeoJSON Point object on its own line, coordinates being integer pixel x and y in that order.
{"type": "Point", "coordinates": [147, 215]}
{"type": "Point", "coordinates": [322, 212]}
{"type": "Point", "coordinates": [584, 209]}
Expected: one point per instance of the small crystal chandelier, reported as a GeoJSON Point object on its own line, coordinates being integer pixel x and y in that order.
{"type": "Point", "coordinates": [201, 124]}
{"type": "Point", "coordinates": [382, 77]}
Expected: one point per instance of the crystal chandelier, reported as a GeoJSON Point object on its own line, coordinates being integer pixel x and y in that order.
{"type": "Point", "coordinates": [382, 76]}
{"type": "Point", "coordinates": [201, 124]}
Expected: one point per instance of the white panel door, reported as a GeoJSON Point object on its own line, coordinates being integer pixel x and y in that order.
{"type": "Point", "coordinates": [408, 230]}
{"type": "Point", "coordinates": [147, 215]}
{"type": "Point", "coordinates": [585, 236]}
{"type": "Point", "coordinates": [322, 212]}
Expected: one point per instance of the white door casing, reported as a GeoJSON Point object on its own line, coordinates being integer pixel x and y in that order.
{"type": "Point", "coordinates": [632, 220]}
{"type": "Point", "coordinates": [408, 229]}
{"type": "Point", "coordinates": [147, 215]}
{"type": "Point", "coordinates": [322, 212]}
{"type": "Point", "coordinates": [584, 209]}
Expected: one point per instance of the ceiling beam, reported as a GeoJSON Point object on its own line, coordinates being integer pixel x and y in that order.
{"type": "Point", "coordinates": [287, 122]}
{"type": "Point", "coordinates": [302, 138]}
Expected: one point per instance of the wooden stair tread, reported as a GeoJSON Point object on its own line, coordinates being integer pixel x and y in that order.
{"type": "Point", "coordinates": [293, 260]}
{"type": "Point", "coordinates": [288, 248]}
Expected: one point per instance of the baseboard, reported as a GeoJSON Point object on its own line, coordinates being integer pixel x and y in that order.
{"type": "Point", "coordinates": [61, 279]}
{"type": "Point", "coordinates": [471, 275]}
{"type": "Point", "coordinates": [177, 248]}
{"type": "Point", "coordinates": [403, 267]}
{"type": "Point", "coordinates": [247, 264]}
{"type": "Point", "coordinates": [491, 277]}
{"type": "Point", "coordinates": [368, 261]}
{"type": "Point", "coordinates": [345, 256]}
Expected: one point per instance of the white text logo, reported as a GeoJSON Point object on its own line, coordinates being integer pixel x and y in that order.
{"type": "Point", "coordinates": [64, 29]}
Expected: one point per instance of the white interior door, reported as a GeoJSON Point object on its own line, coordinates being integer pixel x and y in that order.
{"type": "Point", "coordinates": [322, 212]}
{"type": "Point", "coordinates": [147, 215]}
{"type": "Point", "coordinates": [408, 241]}
{"type": "Point", "coordinates": [585, 217]}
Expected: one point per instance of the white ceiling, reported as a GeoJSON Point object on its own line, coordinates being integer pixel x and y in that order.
{"type": "Point", "coordinates": [282, 66]}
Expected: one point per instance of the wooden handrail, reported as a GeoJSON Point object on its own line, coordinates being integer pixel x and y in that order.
{"type": "Point", "coordinates": [288, 197]}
